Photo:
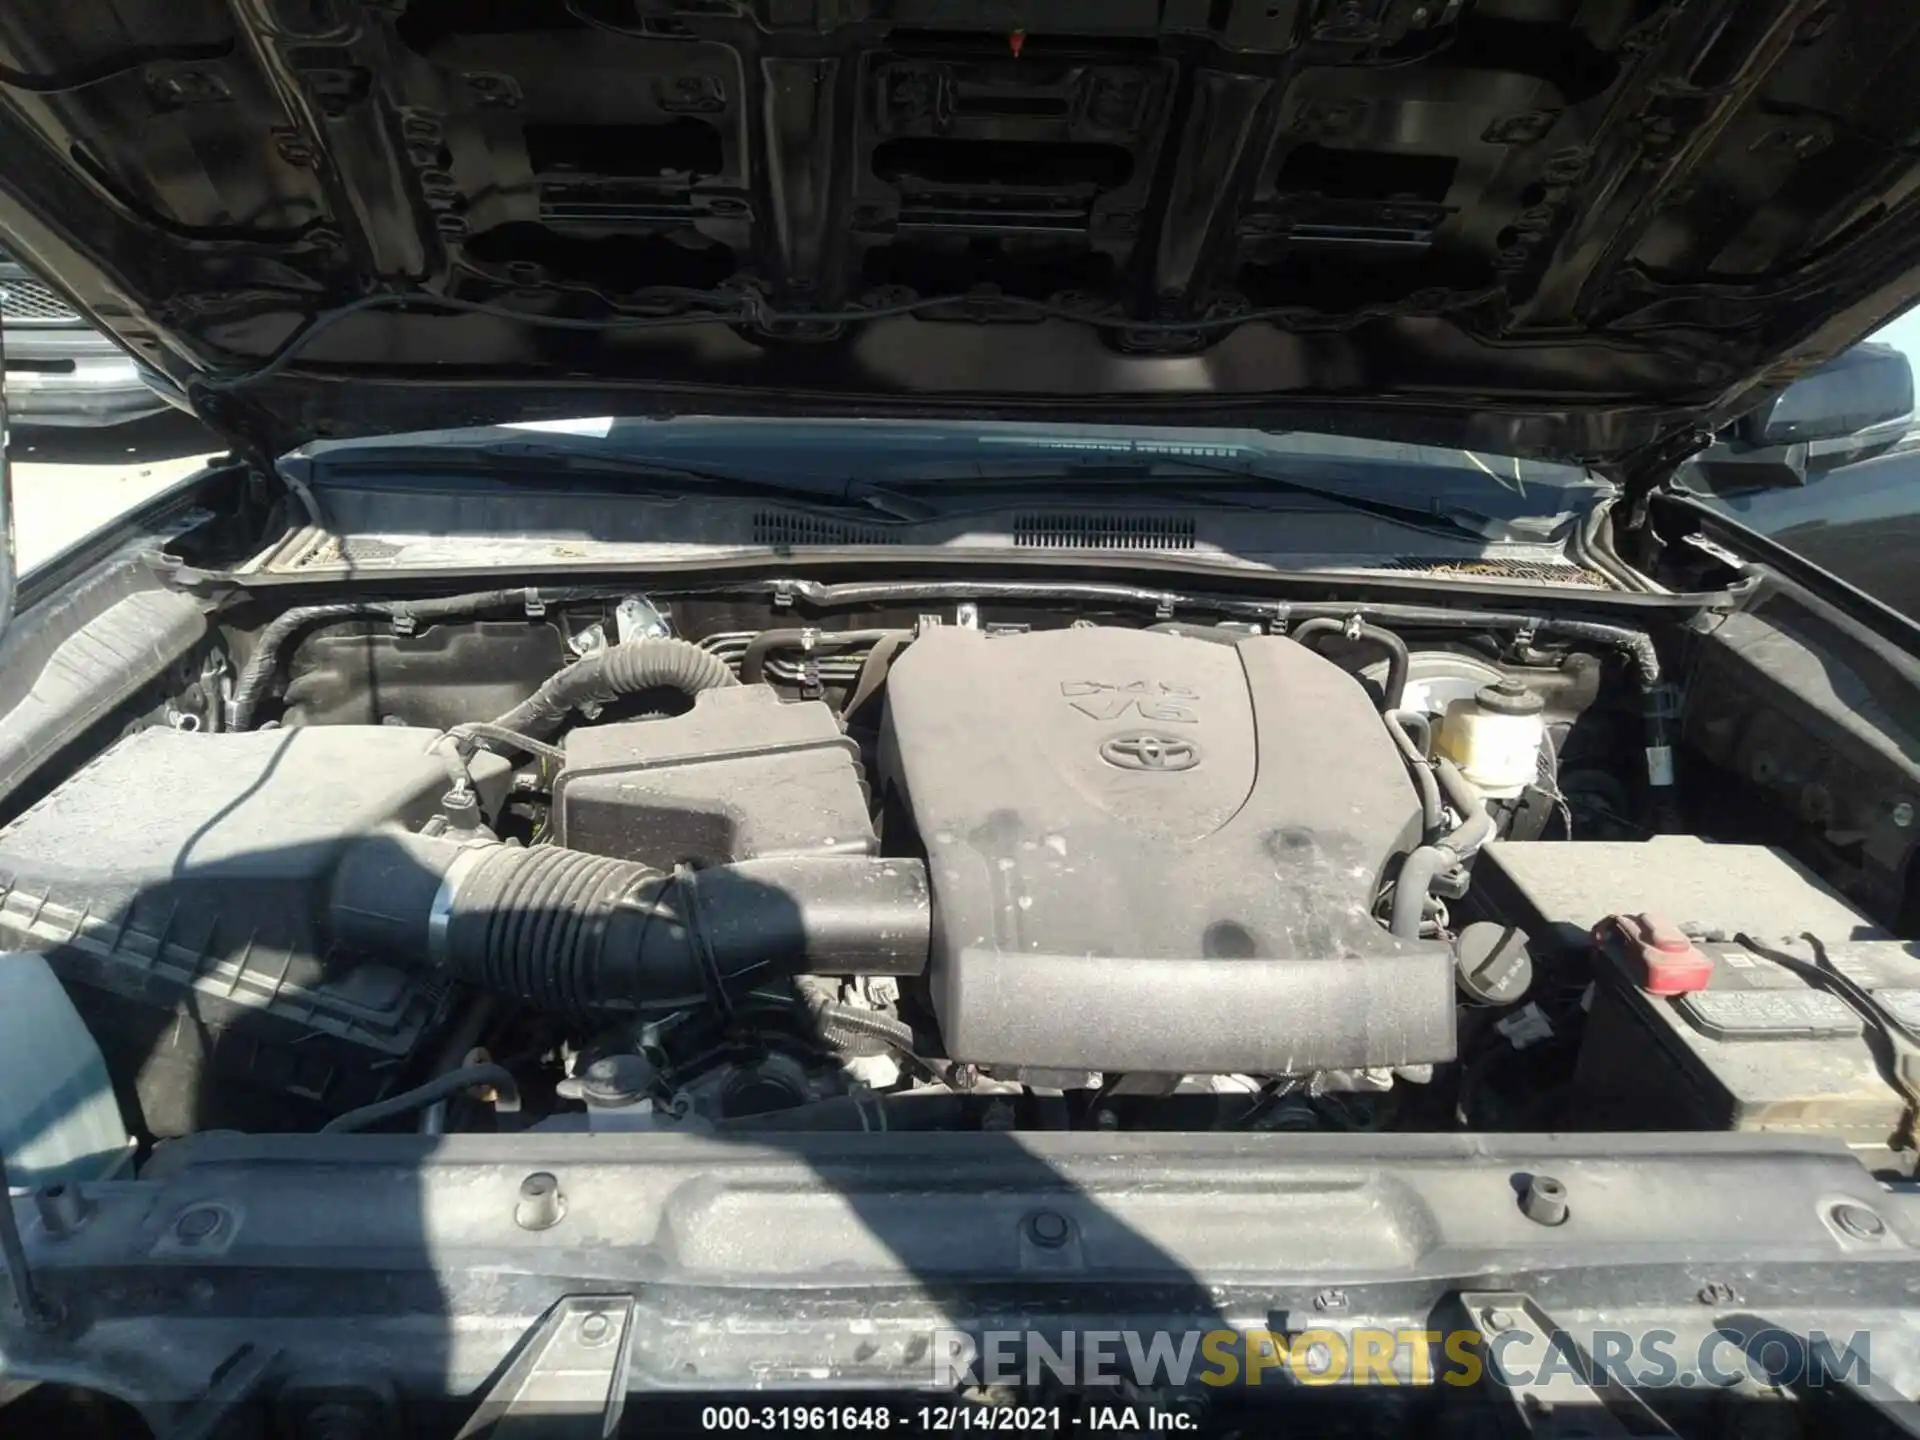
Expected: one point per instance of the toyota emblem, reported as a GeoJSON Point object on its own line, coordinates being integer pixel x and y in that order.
{"type": "Point", "coordinates": [1144, 751]}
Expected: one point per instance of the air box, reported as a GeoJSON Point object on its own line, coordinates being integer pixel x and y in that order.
{"type": "Point", "coordinates": [177, 886]}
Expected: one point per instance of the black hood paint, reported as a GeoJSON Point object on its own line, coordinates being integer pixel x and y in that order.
{"type": "Point", "coordinates": [1570, 229]}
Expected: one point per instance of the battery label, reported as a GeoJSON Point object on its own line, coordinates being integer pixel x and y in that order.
{"type": "Point", "coordinates": [1771, 1014]}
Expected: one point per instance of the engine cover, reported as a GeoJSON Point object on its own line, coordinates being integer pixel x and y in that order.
{"type": "Point", "coordinates": [1156, 852]}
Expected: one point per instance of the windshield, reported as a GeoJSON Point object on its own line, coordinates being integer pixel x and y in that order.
{"type": "Point", "coordinates": [831, 455]}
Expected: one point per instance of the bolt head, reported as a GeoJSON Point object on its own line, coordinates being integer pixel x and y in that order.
{"type": "Point", "coordinates": [1048, 1228]}
{"type": "Point", "coordinates": [1499, 1321]}
{"type": "Point", "coordinates": [1544, 1201]}
{"type": "Point", "coordinates": [541, 1205]}
{"type": "Point", "coordinates": [1859, 1222]}
{"type": "Point", "coordinates": [63, 1209]}
{"type": "Point", "coordinates": [595, 1328]}
{"type": "Point", "coordinates": [1903, 814]}
{"type": "Point", "coordinates": [197, 1223]}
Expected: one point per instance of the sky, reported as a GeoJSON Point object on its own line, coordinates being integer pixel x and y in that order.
{"type": "Point", "coordinates": [1904, 332]}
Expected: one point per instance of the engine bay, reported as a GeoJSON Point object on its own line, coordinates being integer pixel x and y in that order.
{"type": "Point", "coordinates": [609, 862]}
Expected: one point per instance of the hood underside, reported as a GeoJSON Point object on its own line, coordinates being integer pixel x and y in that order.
{"type": "Point", "coordinates": [1573, 229]}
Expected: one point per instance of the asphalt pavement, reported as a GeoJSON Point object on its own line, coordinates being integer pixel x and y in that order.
{"type": "Point", "coordinates": [67, 483]}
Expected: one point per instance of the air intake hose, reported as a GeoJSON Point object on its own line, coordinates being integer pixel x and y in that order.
{"type": "Point", "coordinates": [566, 931]}
{"type": "Point", "coordinates": [653, 664]}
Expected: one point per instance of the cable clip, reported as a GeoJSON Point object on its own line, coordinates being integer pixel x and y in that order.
{"type": "Point", "coordinates": [751, 306]}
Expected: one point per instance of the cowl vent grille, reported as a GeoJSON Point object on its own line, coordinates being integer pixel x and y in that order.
{"type": "Point", "coordinates": [1530, 572]}
{"type": "Point", "coordinates": [774, 527]}
{"type": "Point", "coordinates": [1104, 532]}
{"type": "Point", "coordinates": [331, 552]}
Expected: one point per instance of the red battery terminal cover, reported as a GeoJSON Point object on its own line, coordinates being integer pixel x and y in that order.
{"type": "Point", "coordinates": [1656, 952]}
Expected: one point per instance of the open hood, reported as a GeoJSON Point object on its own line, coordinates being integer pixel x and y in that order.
{"type": "Point", "coordinates": [1570, 229]}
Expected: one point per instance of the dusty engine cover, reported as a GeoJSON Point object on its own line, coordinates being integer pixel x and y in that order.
{"type": "Point", "coordinates": [1156, 852]}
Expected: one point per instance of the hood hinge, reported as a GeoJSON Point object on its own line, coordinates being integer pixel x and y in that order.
{"type": "Point", "coordinates": [1650, 468]}
{"type": "Point", "coordinates": [252, 445]}
{"type": "Point", "coordinates": [294, 472]}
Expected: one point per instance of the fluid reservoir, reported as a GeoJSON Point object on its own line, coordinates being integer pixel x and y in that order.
{"type": "Point", "coordinates": [1495, 736]}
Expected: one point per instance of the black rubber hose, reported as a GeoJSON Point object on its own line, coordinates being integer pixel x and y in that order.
{"type": "Point", "coordinates": [440, 1087]}
{"type": "Point", "coordinates": [1412, 886]}
{"type": "Point", "coordinates": [874, 671]}
{"type": "Point", "coordinates": [1476, 826]}
{"type": "Point", "coordinates": [1417, 766]}
{"type": "Point", "coordinates": [570, 933]}
{"type": "Point", "coordinates": [456, 1047]}
{"type": "Point", "coordinates": [261, 664]}
{"type": "Point", "coordinates": [259, 669]}
{"type": "Point", "coordinates": [1418, 872]}
{"type": "Point", "coordinates": [753, 660]}
{"type": "Point", "coordinates": [1419, 727]}
{"type": "Point", "coordinates": [652, 664]}
{"type": "Point", "coordinates": [1309, 631]}
{"type": "Point", "coordinates": [1637, 645]}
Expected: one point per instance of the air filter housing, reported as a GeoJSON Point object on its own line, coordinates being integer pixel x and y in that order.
{"type": "Point", "coordinates": [178, 886]}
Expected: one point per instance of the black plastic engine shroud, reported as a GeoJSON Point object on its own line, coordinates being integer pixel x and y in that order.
{"type": "Point", "coordinates": [1153, 853]}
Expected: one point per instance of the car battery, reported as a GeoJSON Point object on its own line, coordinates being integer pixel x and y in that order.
{"type": "Point", "coordinates": [1760, 1047]}
{"type": "Point", "coordinates": [1558, 890]}
{"type": "Point", "coordinates": [1746, 1042]}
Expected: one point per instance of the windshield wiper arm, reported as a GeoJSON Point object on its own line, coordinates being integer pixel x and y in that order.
{"type": "Point", "coordinates": [1136, 474]}
{"type": "Point", "coordinates": [512, 460]}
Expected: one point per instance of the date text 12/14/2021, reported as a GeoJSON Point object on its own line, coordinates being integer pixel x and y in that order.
{"type": "Point", "coordinates": [942, 1419]}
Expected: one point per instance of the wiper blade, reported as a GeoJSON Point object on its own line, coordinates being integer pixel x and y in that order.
{"type": "Point", "coordinates": [534, 462]}
{"type": "Point", "coordinates": [1248, 478]}
{"type": "Point", "coordinates": [962, 486]}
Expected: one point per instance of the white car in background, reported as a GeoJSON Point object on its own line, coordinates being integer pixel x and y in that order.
{"type": "Point", "coordinates": [60, 370]}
